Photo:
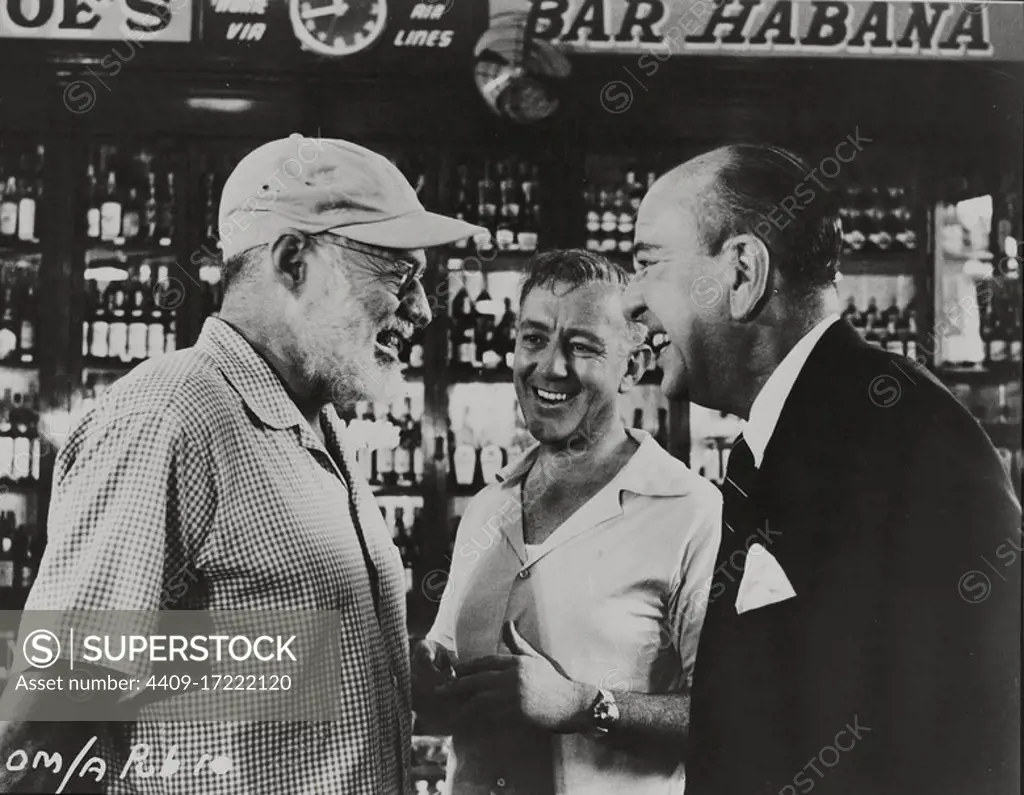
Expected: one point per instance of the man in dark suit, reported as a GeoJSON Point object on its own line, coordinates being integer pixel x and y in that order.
{"type": "Point", "coordinates": [863, 625]}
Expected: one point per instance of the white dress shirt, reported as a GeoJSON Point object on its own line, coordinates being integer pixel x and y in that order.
{"type": "Point", "coordinates": [615, 597]}
{"type": "Point", "coordinates": [767, 406]}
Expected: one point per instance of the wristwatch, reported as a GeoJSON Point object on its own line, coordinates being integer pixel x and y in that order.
{"type": "Point", "coordinates": [604, 713]}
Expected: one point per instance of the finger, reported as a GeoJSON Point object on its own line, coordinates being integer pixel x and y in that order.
{"type": "Point", "coordinates": [492, 662]}
{"type": "Point", "coordinates": [468, 686]}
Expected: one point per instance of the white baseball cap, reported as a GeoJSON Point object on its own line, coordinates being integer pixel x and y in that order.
{"type": "Point", "coordinates": [326, 184]}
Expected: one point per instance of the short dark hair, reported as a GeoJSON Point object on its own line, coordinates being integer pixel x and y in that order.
{"type": "Point", "coordinates": [745, 197]}
{"type": "Point", "coordinates": [577, 267]}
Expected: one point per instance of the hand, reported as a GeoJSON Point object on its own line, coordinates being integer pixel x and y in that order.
{"type": "Point", "coordinates": [432, 666]}
{"type": "Point", "coordinates": [524, 685]}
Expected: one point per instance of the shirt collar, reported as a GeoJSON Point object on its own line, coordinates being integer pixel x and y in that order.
{"type": "Point", "coordinates": [651, 471]}
{"type": "Point", "coordinates": [767, 406]}
{"type": "Point", "coordinates": [260, 388]}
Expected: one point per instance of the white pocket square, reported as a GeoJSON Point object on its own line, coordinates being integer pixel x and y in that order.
{"type": "Point", "coordinates": [764, 582]}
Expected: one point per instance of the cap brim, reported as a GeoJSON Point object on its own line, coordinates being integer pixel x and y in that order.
{"type": "Point", "coordinates": [416, 230]}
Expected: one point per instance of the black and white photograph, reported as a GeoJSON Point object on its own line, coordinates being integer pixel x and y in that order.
{"type": "Point", "coordinates": [511, 397]}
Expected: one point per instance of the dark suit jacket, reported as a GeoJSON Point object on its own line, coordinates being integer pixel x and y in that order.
{"type": "Point", "coordinates": [896, 668]}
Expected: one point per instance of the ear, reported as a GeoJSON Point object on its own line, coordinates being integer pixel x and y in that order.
{"type": "Point", "coordinates": [750, 261]}
{"type": "Point", "coordinates": [640, 360]}
{"type": "Point", "coordinates": [287, 254]}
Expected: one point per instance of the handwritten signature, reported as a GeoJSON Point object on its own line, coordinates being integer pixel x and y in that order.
{"type": "Point", "coordinates": [138, 757]}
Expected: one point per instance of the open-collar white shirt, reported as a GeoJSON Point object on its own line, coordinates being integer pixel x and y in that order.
{"type": "Point", "coordinates": [615, 597]}
{"type": "Point", "coordinates": [767, 406]}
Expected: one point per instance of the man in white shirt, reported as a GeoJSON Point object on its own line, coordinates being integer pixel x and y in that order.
{"type": "Point", "coordinates": [579, 582]}
{"type": "Point", "coordinates": [851, 642]}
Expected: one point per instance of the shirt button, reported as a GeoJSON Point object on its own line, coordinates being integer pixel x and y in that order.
{"type": "Point", "coordinates": [524, 574]}
{"type": "Point", "coordinates": [394, 681]}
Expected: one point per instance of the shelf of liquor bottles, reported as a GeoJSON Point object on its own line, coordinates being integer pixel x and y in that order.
{"type": "Point", "coordinates": [22, 229]}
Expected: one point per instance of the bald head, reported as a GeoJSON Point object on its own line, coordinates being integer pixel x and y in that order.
{"type": "Point", "coordinates": [765, 191]}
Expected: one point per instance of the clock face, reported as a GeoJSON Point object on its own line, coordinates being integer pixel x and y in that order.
{"type": "Point", "coordinates": [338, 27]}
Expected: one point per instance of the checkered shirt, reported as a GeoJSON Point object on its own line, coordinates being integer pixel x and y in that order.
{"type": "Point", "coordinates": [197, 484]}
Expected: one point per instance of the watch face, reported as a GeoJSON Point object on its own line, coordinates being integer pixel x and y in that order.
{"type": "Point", "coordinates": [338, 27]}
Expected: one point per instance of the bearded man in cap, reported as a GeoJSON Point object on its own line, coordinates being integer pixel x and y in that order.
{"type": "Point", "coordinates": [214, 479]}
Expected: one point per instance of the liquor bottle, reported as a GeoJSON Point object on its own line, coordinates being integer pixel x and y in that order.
{"type": "Point", "coordinates": [871, 313]}
{"type": "Point", "coordinates": [139, 294]}
{"type": "Point", "coordinates": [156, 330]}
{"type": "Point", "coordinates": [92, 212]}
{"type": "Point", "coordinates": [999, 351]}
{"type": "Point", "coordinates": [406, 546]}
{"type": "Point", "coordinates": [27, 332]}
{"type": "Point", "coordinates": [7, 566]}
{"type": "Point", "coordinates": [117, 312]}
{"type": "Point", "coordinates": [21, 420]}
{"type": "Point", "coordinates": [99, 336]}
{"type": "Point", "coordinates": [110, 210]}
{"type": "Point", "coordinates": [464, 454]}
{"type": "Point", "coordinates": [529, 213]}
{"type": "Point", "coordinates": [909, 323]}
{"type": "Point", "coordinates": [906, 234]}
{"type": "Point", "coordinates": [511, 204]}
{"type": "Point", "coordinates": [25, 573]}
{"type": "Point", "coordinates": [521, 440]}
{"type": "Point", "coordinates": [363, 430]}
{"type": "Point", "coordinates": [406, 445]}
{"type": "Point", "coordinates": [871, 331]}
{"type": "Point", "coordinates": [487, 208]}
{"type": "Point", "coordinates": [6, 437]}
{"type": "Point", "coordinates": [890, 318]}
{"type": "Point", "coordinates": [593, 220]}
{"type": "Point", "coordinates": [9, 208]}
{"type": "Point", "coordinates": [166, 213]}
{"type": "Point", "coordinates": [609, 220]}
{"type": "Point", "coordinates": [26, 205]}
{"type": "Point", "coordinates": [492, 457]}
{"type": "Point", "coordinates": [8, 323]}
{"type": "Point", "coordinates": [505, 335]}
{"type": "Point", "coordinates": [634, 191]}
{"type": "Point", "coordinates": [464, 209]}
{"type": "Point", "coordinates": [465, 329]}
{"type": "Point", "coordinates": [624, 226]}
{"type": "Point", "coordinates": [387, 451]}
{"type": "Point", "coordinates": [210, 205]}
{"type": "Point", "coordinates": [151, 209]}
{"type": "Point", "coordinates": [850, 313]}
{"type": "Point", "coordinates": [486, 354]}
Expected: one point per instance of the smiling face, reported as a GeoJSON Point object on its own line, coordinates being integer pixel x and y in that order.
{"type": "Point", "coordinates": [681, 290]}
{"type": "Point", "coordinates": [356, 312]}
{"type": "Point", "coordinates": [572, 360]}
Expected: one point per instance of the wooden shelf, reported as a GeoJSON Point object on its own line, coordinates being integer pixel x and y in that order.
{"type": "Point", "coordinates": [20, 249]}
{"type": "Point", "coordinates": [29, 486]}
{"type": "Point", "coordinates": [17, 364]}
{"type": "Point", "coordinates": [106, 250]}
{"type": "Point", "coordinates": [882, 263]}
{"type": "Point", "coordinates": [397, 491]}
{"type": "Point", "coordinates": [502, 375]}
{"type": "Point", "coordinates": [489, 262]}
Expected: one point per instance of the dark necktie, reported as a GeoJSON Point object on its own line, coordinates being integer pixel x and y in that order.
{"type": "Point", "coordinates": [739, 509]}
